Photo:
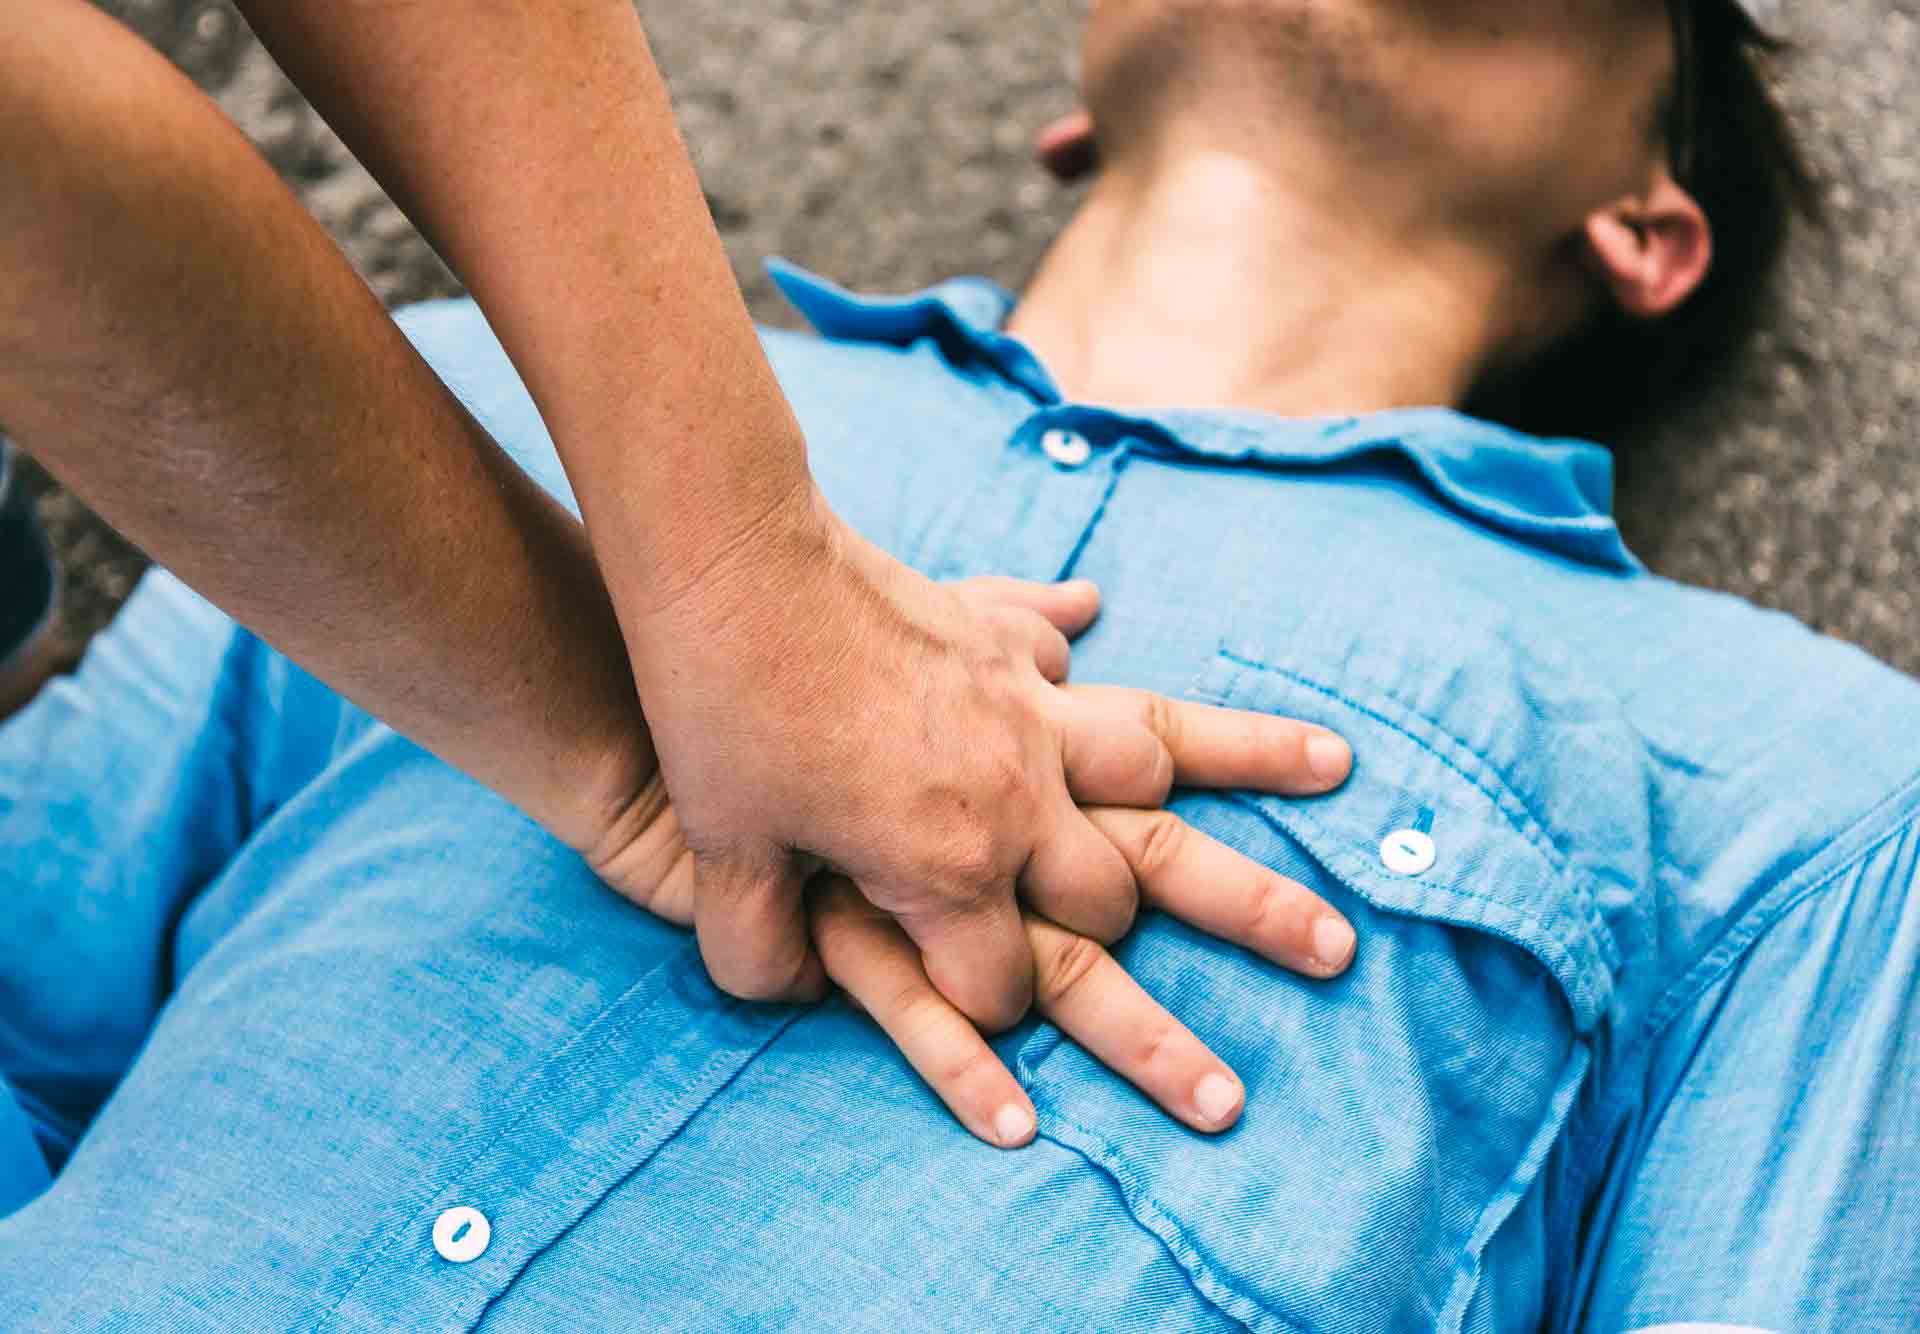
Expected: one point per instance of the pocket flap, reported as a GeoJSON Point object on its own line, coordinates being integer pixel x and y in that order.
{"type": "Point", "coordinates": [1397, 1117]}
{"type": "Point", "coordinates": [1426, 826]}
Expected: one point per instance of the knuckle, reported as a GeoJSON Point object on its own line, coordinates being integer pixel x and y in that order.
{"type": "Point", "coordinates": [1163, 841]}
{"type": "Point", "coordinates": [1160, 717]}
{"type": "Point", "coordinates": [1025, 619]}
{"type": "Point", "coordinates": [1066, 965]}
{"type": "Point", "coordinates": [769, 977]}
{"type": "Point", "coordinates": [1268, 913]}
{"type": "Point", "coordinates": [912, 1009]}
{"type": "Point", "coordinates": [1114, 904]}
{"type": "Point", "coordinates": [961, 1068]}
{"type": "Point", "coordinates": [971, 862]}
{"type": "Point", "coordinates": [1163, 772]}
{"type": "Point", "coordinates": [1153, 1046]}
{"type": "Point", "coordinates": [1013, 626]}
{"type": "Point", "coordinates": [955, 858]}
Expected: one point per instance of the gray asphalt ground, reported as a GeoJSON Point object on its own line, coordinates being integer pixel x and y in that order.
{"type": "Point", "coordinates": [885, 144]}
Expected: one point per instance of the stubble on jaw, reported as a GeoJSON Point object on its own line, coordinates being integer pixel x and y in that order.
{"type": "Point", "coordinates": [1331, 65]}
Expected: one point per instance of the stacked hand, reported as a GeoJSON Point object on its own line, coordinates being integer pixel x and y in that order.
{"type": "Point", "coordinates": [908, 749]}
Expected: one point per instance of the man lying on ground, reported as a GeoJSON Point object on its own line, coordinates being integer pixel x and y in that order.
{"type": "Point", "coordinates": [1624, 1042]}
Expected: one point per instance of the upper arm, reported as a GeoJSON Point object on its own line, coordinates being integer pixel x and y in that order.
{"type": "Point", "coordinates": [1775, 1178]}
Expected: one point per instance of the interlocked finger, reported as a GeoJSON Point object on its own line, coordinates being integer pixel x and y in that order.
{"type": "Point", "coordinates": [1208, 885]}
{"type": "Point", "coordinates": [1090, 997]}
{"type": "Point", "coordinates": [1081, 989]}
{"type": "Point", "coordinates": [1078, 879]}
{"type": "Point", "coordinates": [874, 962]}
{"type": "Point", "coordinates": [979, 959]}
{"type": "Point", "coordinates": [1217, 747]}
{"type": "Point", "coordinates": [1051, 653]}
{"type": "Point", "coordinates": [1069, 607]}
{"type": "Point", "coordinates": [1111, 759]}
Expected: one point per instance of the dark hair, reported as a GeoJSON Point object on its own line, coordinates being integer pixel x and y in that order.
{"type": "Point", "coordinates": [1733, 149]}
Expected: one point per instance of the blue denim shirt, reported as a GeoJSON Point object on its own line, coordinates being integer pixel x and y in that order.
{"type": "Point", "coordinates": [1631, 865]}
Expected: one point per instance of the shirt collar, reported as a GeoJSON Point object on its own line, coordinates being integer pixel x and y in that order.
{"type": "Point", "coordinates": [1552, 494]}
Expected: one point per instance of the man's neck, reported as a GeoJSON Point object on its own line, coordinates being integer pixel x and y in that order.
{"type": "Point", "coordinates": [1207, 282]}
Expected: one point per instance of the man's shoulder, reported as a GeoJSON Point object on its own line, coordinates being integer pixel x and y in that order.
{"type": "Point", "coordinates": [1721, 675]}
{"type": "Point", "coordinates": [1737, 717]}
{"type": "Point", "coordinates": [1779, 726]}
{"type": "Point", "coordinates": [1612, 771]}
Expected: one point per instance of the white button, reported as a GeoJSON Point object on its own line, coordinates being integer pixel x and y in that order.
{"type": "Point", "coordinates": [1408, 852]}
{"type": "Point", "coordinates": [461, 1234]}
{"type": "Point", "coordinates": [1069, 449]}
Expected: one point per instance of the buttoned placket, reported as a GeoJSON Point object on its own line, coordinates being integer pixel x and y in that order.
{"type": "Point", "coordinates": [1033, 513]}
{"type": "Point", "coordinates": [577, 1125]}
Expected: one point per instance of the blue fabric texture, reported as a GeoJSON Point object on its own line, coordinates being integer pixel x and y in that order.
{"type": "Point", "coordinates": [278, 989]}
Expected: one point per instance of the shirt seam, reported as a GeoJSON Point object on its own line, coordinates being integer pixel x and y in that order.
{"type": "Point", "coordinates": [1121, 458]}
{"type": "Point", "coordinates": [1740, 938]}
{"type": "Point", "coordinates": [1353, 870]}
{"type": "Point", "coordinates": [1526, 1171]}
{"type": "Point", "coordinates": [1727, 954]}
{"type": "Point", "coordinates": [1505, 800]}
{"type": "Point", "coordinates": [527, 1106]}
{"type": "Point", "coordinates": [1151, 1217]}
{"type": "Point", "coordinates": [1499, 793]}
{"type": "Point", "coordinates": [592, 1198]}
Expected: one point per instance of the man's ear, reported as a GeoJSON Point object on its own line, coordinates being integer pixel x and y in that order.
{"type": "Point", "coordinates": [1652, 251]}
{"type": "Point", "coordinates": [1067, 148]}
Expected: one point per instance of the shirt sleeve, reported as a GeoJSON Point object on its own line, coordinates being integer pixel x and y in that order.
{"type": "Point", "coordinates": [1777, 1181]}
{"type": "Point", "coordinates": [123, 790]}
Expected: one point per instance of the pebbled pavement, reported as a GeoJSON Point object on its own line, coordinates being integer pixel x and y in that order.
{"type": "Point", "coordinates": [886, 144]}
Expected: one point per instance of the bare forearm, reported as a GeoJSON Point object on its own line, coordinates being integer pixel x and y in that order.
{"type": "Point", "coordinates": [533, 141]}
{"type": "Point", "coordinates": [181, 343]}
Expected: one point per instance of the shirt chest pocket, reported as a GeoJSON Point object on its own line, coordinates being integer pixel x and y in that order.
{"type": "Point", "coordinates": [1397, 1116]}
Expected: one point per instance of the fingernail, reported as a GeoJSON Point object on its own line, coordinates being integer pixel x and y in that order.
{"type": "Point", "coordinates": [1329, 758]}
{"type": "Point", "coordinates": [1013, 1126]}
{"type": "Point", "coordinates": [1216, 1099]}
{"type": "Point", "coordinates": [1333, 943]}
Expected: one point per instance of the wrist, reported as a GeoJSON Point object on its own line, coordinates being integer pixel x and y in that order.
{"type": "Point", "coordinates": [736, 571]}
{"type": "Point", "coordinates": [587, 796]}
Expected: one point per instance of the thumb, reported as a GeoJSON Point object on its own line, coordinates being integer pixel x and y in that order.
{"type": "Point", "coordinates": [750, 913]}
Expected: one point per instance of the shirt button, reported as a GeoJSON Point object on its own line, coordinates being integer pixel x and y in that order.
{"type": "Point", "coordinates": [461, 1234]}
{"type": "Point", "coordinates": [1408, 852]}
{"type": "Point", "coordinates": [1069, 449]}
